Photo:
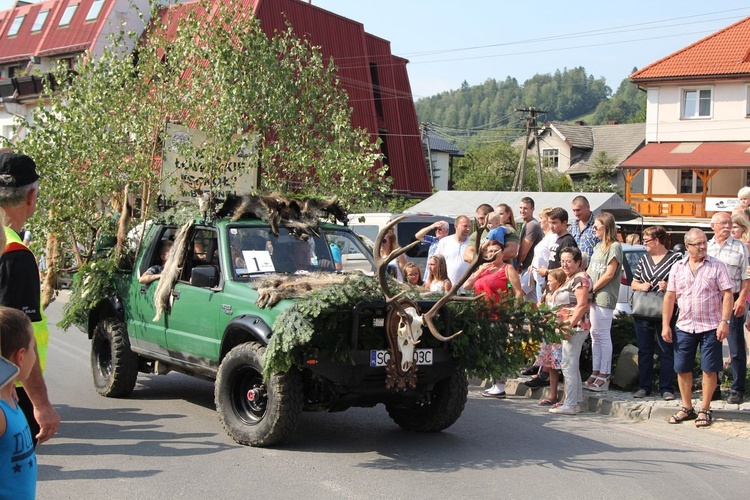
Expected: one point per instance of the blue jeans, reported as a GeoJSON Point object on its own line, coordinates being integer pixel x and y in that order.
{"type": "Point", "coordinates": [738, 356]}
{"type": "Point", "coordinates": [645, 331]}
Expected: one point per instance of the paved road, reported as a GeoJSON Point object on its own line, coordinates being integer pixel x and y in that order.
{"type": "Point", "coordinates": [165, 442]}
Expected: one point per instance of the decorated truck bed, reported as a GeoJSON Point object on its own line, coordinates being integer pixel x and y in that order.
{"type": "Point", "coordinates": [285, 322]}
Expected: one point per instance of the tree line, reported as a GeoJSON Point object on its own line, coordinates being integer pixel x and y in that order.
{"type": "Point", "coordinates": [568, 95]}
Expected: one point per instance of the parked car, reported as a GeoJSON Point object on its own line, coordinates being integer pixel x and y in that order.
{"type": "Point", "coordinates": [632, 254]}
{"type": "Point", "coordinates": [367, 225]}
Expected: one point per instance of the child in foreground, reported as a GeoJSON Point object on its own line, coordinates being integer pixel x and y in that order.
{"type": "Point", "coordinates": [18, 466]}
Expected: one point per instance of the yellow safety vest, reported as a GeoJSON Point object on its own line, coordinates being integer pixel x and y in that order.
{"type": "Point", "coordinates": [41, 330]}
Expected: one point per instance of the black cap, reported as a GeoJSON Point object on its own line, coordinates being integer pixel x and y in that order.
{"type": "Point", "coordinates": [17, 170]}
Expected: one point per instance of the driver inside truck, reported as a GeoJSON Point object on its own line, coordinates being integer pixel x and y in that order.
{"type": "Point", "coordinates": [153, 273]}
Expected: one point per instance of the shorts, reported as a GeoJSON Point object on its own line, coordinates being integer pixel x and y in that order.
{"type": "Point", "coordinates": [686, 345]}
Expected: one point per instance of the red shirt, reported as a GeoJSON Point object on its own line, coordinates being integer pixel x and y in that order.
{"type": "Point", "coordinates": [494, 283]}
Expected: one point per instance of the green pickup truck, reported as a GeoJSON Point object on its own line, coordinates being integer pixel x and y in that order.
{"type": "Point", "coordinates": [214, 329]}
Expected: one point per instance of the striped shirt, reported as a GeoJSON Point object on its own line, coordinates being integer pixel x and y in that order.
{"type": "Point", "coordinates": [733, 253]}
{"type": "Point", "coordinates": [699, 295]}
{"type": "Point", "coordinates": [648, 272]}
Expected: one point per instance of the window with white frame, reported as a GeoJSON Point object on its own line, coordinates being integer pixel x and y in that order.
{"type": "Point", "coordinates": [67, 16]}
{"type": "Point", "coordinates": [17, 22]}
{"type": "Point", "coordinates": [550, 157]}
{"type": "Point", "coordinates": [39, 21]}
{"type": "Point", "coordinates": [690, 183]}
{"type": "Point", "coordinates": [696, 103]}
{"type": "Point", "coordinates": [96, 7]}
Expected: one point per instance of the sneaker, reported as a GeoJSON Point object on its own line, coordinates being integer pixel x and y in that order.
{"type": "Point", "coordinates": [641, 393]}
{"type": "Point", "coordinates": [735, 398]}
{"type": "Point", "coordinates": [530, 370]}
{"type": "Point", "coordinates": [489, 393]}
{"type": "Point", "coordinates": [668, 396]}
{"type": "Point", "coordinates": [537, 382]}
{"type": "Point", "coordinates": [565, 410]}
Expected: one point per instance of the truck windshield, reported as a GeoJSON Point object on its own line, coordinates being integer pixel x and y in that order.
{"type": "Point", "coordinates": [255, 251]}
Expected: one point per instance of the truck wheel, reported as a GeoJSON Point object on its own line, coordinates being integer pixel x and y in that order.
{"type": "Point", "coordinates": [113, 365]}
{"type": "Point", "coordinates": [253, 412]}
{"type": "Point", "coordinates": [445, 406]}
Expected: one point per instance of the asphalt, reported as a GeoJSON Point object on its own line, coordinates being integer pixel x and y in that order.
{"type": "Point", "coordinates": [622, 404]}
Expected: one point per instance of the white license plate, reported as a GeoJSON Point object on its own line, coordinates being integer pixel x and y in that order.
{"type": "Point", "coordinates": [380, 358]}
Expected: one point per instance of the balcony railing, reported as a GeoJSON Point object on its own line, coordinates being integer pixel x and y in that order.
{"type": "Point", "coordinates": [21, 87]}
{"type": "Point", "coordinates": [672, 205]}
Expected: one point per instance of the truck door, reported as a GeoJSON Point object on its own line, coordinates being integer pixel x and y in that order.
{"type": "Point", "coordinates": [193, 321]}
{"type": "Point", "coordinates": [143, 331]}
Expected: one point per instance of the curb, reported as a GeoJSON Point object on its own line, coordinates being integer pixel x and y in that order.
{"type": "Point", "coordinates": [616, 403]}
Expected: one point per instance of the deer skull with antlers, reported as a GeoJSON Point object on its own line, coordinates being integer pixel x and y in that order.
{"type": "Point", "coordinates": [403, 336]}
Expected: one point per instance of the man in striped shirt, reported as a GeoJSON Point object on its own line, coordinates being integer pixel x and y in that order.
{"type": "Point", "coordinates": [733, 253]}
{"type": "Point", "coordinates": [702, 288]}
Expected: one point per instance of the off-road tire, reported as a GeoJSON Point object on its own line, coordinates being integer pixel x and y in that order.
{"type": "Point", "coordinates": [266, 420]}
{"type": "Point", "coordinates": [113, 365]}
{"type": "Point", "coordinates": [446, 404]}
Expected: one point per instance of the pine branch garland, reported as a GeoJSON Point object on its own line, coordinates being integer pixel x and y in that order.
{"type": "Point", "coordinates": [497, 339]}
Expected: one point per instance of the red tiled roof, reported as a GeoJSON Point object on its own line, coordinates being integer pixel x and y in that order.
{"type": "Point", "coordinates": [52, 39]}
{"type": "Point", "coordinates": [726, 52]}
{"type": "Point", "coordinates": [691, 155]}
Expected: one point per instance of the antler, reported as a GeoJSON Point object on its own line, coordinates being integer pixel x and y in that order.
{"type": "Point", "coordinates": [382, 262]}
{"type": "Point", "coordinates": [478, 260]}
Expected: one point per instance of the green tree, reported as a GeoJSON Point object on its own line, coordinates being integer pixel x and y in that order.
{"type": "Point", "coordinates": [98, 136]}
{"type": "Point", "coordinates": [603, 178]}
{"type": "Point", "coordinates": [492, 166]}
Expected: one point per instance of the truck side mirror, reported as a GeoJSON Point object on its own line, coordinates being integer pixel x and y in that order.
{"type": "Point", "coordinates": [204, 276]}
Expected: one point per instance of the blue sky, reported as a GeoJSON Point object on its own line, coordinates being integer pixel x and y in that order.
{"type": "Point", "coordinates": [448, 42]}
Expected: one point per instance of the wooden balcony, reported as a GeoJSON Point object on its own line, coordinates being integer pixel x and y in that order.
{"type": "Point", "coordinates": [672, 205]}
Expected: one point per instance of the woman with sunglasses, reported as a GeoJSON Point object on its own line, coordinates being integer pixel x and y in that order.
{"type": "Point", "coordinates": [651, 274]}
{"type": "Point", "coordinates": [604, 270]}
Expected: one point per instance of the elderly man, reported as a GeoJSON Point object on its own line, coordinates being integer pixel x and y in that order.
{"type": "Point", "coordinates": [702, 288]}
{"type": "Point", "coordinates": [20, 287]}
{"type": "Point", "coordinates": [442, 229]}
{"type": "Point", "coordinates": [452, 248]}
{"type": "Point", "coordinates": [582, 228]}
{"type": "Point", "coordinates": [734, 254]}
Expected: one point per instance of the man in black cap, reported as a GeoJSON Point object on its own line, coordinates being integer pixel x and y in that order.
{"type": "Point", "coordinates": [20, 287]}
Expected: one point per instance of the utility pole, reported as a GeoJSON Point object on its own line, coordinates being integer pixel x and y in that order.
{"type": "Point", "coordinates": [425, 129]}
{"type": "Point", "coordinates": [531, 125]}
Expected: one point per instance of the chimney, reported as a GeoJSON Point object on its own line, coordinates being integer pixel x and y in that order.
{"type": "Point", "coordinates": [580, 123]}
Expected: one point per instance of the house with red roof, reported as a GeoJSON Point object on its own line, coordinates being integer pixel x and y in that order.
{"type": "Point", "coordinates": [697, 151]}
{"type": "Point", "coordinates": [35, 37]}
{"type": "Point", "coordinates": [376, 81]}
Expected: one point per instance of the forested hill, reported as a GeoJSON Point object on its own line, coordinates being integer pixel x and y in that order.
{"type": "Point", "coordinates": [567, 95]}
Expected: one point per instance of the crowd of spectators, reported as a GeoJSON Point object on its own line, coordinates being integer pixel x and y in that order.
{"type": "Point", "coordinates": [575, 268]}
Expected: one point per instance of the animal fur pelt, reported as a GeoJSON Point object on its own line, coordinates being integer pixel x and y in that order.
{"type": "Point", "coordinates": [272, 290]}
{"type": "Point", "coordinates": [171, 272]}
{"type": "Point", "coordinates": [300, 216]}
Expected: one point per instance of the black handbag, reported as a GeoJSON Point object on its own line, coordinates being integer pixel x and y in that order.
{"type": "Point", "coordinates": [647, 305]}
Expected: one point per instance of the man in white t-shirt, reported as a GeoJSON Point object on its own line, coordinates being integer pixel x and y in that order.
{"type": "Point", "coordinates": [452, 248]}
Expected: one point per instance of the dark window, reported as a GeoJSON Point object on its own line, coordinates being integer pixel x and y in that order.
{"type": "Point", "coordinates": [376, 90]}
{"type": "Point", "coordinates": [690, 183]}
{"type": "Point", "coordinates": [550, 157]}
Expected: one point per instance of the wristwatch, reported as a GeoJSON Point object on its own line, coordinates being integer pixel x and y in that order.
{"type": "Point", "coordinates": [725, 321]}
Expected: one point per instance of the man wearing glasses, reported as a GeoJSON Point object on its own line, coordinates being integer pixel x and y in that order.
{"type": "Point", "coordinates": [701, 287]}
{"type": "Point", "coordinates": [733, 253]}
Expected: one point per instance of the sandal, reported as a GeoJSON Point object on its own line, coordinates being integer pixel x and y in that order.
{"type": "Point", "coordinates": [600, 384]}
{"type": "Point", "coordinates": [546, 402]}
{"type": "Point", "coordinates": [705, 418]}
{"type": "Point", "coordinates": [589, 381]}
{"type": "Point", "coordinates": [689, 415]}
